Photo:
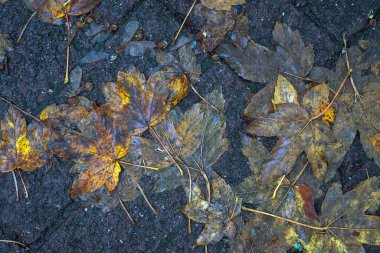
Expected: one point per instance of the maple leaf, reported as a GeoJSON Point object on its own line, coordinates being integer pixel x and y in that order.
{"type": "Point", "coordinates": [97, 151]}
{"type": "Point", "coordinates": [22, 147]}
{"type": "Point", "coordinates": [355, 110]}
{"type": "Point", "coordinates": [221, 5]}
{"type": "Point", "coordinates": [342, 227]}
{"type": "Point", "coordinates": [56, 116]}
{"type": "Point", "coordinates": [50, 10]}
{"type": "Point", "coordinates": [139, 102]}
{"type": "Point", "coordinates": [291, 124]}
{"type": "Point", "coordinates": [127, 189]}
{"type": "Point", "coordinates": [216, 24]}
{"type": "Point", "coordinates": [257, 63]}
{"type": "Point", "coordinates": [196, 137]}
{"type": "Point", "coordinates": [217, 215]}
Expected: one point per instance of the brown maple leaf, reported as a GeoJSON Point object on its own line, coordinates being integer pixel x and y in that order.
{"type": "Point", "coordinates": [22, 147]}
{"type": "Point", "coordinates": [297, 134]}
{"type": "Point", "coordinates": [96, 150]}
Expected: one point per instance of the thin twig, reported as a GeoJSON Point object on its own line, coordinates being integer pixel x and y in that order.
{"type": "Point", "coordinates": [23, 183]}
{"type": "Point", "coordinates": [204, 100]}
{"type": "Point", "coordinates": [166, 149]}
{"type": "Point", "coordinates": [138, 165]}
{"type": "Point", "coordinates": [323, 228]}
{"type": "Point", "coordinates": [277, 187]}
{"type": "Point", "coordinates": [144, 196]}
{"type": "Point", "coordinates": [18, 108]}
{"type": "Point", "coordinates": [16, 186]}
{"type": "Point", "coordinates": [126, 211]}
{"type": "Point", "coordinates": [184, 21]}
{"type": "Point", "coordinates": [15, 242]}
{"type": "Point", "coordinates": [67, 78]}
{"type": "Point", "coordinates": [234, 210]}
{"type": "Point", "coordinates": [25, 26]}
{"type": "Point", "coordinates": [301, 78]}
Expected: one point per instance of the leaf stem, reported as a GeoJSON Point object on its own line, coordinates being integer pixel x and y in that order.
{"type": "Point", "coordinates": [204, 100]}
{"type": "Point", "coordinates": [15, 242]}
{"type": "Point", "coordinates": [184, 21]}
{"type": "Point", "coordinates": [138, 165]}
{"type": "Point", "coordinates": [151, 129]}
{"type": "Point", "coordinates": [25, 26]}
{"type": "Point", "coordinates": [16, 186]}
{"type": "Point", "coordinates": [23, 183]}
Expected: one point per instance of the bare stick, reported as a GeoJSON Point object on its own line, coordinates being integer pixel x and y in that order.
{"type": "Point", "coordinates": [16, 186]}
{"type": "Point", "coordinates": [15, 242]}
{"type": "Point", "coordinates": [23, 183]}
{"type": "Point", "coordinates": [138, 165]}
{"type": "Point", "coordinates": [277, 187]}
{"type": "Point", "coordinates": [234, 210]}
{"type": "Point", "coordinates": [25, 26]}
{"type": "Point", "coordinates": [204, 100]}
{"type": "Point", "coordinates": [18, 108]}
{"type": "Point", "coordinates": [126, 211]}
{"type": "Point", "coordinates": [184, 21]}
{"type": "Point", "coordinates": [144, 196]}
{"type": "Point", "coordinates": [166, 149]}
{"type": "Point", "coordinates": [67, 79]}
{"type": "Point", "coordinates": [303, 224]}
{"type": "Point", "coordinates": [301, 78]}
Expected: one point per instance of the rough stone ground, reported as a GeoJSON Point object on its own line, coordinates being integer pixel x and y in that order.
{"type": "Point", "coordinates": [49, 221]}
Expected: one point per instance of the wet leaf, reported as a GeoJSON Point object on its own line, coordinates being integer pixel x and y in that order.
{"type": "Point", "coordinates": [196, 137]}
{"type": "Point", "coordinates": [22, 147]}
{"type": "Point", "coordinates": [217, 24]}
{"type": "Point", "coordinates": [138, 102]}
{"type": "Point", "coordinates": [370, 57]}
{"type": "Point", "coordinates": [257, 63]}
{"type": "Point", "coordinates": [284, 92]}
{"type": "Point", "coordinates": [308, 206]}
{"type": "Point", "coordinates": [49, 10]}
{"type": "Point", "coordinates": [217, 215]}
{"type": "Point", "coordinates": [221, 5]}
{"type": "Point", "coordinates": [96, 151]}
{"type": "Point", "coordinates": [288, 124]}
{"type": "Point", "coordinates": [343, 225]}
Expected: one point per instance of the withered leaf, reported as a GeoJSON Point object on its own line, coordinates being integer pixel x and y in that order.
{"type": "Point", "coordinates": [260, 64]}
{"type": "Point", "coordinates": [343, 225]}
{"type": "Point", "coordinates": [354, 113]}
{"type": "Point", "coordinates": [138, 102]}
{"type": "Point", "coordinates": [50, 10]}
{"type": "Point", "coordinates": [217, 215]}
{"type": "Point", "coordinates": [22, 147]}
{"type": "Point", "coordinates": [57, 116]}
{"type": "Point", "coordinates": [288, 124]}
{"type": "Point", "coordinates": [126, 189]}
{"type": "Point", "coordinates": [96, 150]}
{"type": "Point", "coordinates": [196, 138]}
{"type": "Point", "coordinates": [221, 5]}
{"type": "Point", "coordinates": [370, 57]}
{"type": "Point", "coordinates": [217, 24]}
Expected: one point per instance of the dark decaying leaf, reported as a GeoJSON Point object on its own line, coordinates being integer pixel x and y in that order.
{"type": "Point", "coordinates": [260, 64]}
{"type": "Point", "coordinates": [196, 137]}
{"type": "Point", "coordinates": [221, 5]}
{"type": "Point", "coordinates": [370, 57]}
{"type": "Point", "coordinates": [216, 215]}
{"type": "Point", "coordinates": [354, 113]}
{"type": "Point", "coordinates": [308, 206]}
{"type": "Point", "coordinates": [96, 151]}
{"type": "Point", "coordinates": [217, 25]}
{"type": "Point", "coordinates": [346, 211]}
{"type": "Point", "coordinates": [50, 10]}
{"type": "Point", "coordinates": [290, 123]}
{"type": "Point", "coordinates": [22, 147]}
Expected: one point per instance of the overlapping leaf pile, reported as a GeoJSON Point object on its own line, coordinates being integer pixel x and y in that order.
{"type": "Point", "coordinates": [314, 114]}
